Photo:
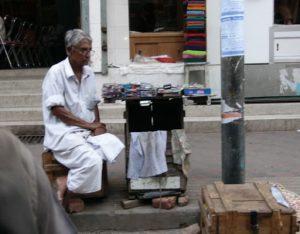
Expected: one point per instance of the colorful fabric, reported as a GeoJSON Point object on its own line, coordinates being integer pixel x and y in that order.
{"type": "Point", "coordinates": [189, 47]}
{"type": "Point", "coordinates": [195, 42]}
{"type": "Point", "coordinates": [195, 36]}
{"type": "Point", "coordinates": [194, 52]}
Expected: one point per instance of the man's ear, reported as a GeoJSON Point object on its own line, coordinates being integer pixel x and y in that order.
{"type": "Point", "coordinates": [69, 49]}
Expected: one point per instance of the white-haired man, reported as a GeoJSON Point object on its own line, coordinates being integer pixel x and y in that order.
{"type": "Point", "coordinates": [71, 118]}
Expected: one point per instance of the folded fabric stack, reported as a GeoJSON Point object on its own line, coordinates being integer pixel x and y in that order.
{"type": "Point", "coordinates": [195, 32]}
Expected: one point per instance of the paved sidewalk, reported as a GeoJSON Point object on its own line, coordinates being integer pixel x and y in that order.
{"type": "Point", "coordinates": [270, 156]}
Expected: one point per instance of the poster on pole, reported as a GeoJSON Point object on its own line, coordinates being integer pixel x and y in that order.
{"type": "Point", "coordinates": [232, 28]}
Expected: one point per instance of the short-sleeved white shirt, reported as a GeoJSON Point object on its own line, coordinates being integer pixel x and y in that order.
{"type": "Point", "coordinates": [61, 88]}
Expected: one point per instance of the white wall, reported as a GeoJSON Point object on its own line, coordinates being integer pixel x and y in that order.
{"type": "Point", "coordinates": [213, 73]}
{"type": "Point", "coordinates": [95, 32]}
{"type": "Point", "coordinates": [213, 32]}
{"type": "Point", "coordinates": [118, 32]}
{"type": "Point", "coordinates": [258, 20]}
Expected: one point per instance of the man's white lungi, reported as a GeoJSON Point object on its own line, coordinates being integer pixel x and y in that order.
{"type": "Point", "coordinates": [73, 146]}
{"type": "Point", "coordinates": [85, 161]}
{"type": "Point", "coordinates": [85, 164]}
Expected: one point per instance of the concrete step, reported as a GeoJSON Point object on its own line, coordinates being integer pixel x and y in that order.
{"type": "Point", "coordinates": [117, 110]}
{"type": "Point", "coordinates": [25, 85]}
{"type": "Point", "coordinates": [22, 80]}
{"type": "Point", "coordinates": [21, 73]}
{"type": "Point", "coordinates": [249, 109]}
{"type": "Point", "coordinates": [112, 111]}
{"type": "Point", "coordinates": [191, 124]}
{"type": "Point", "coordinates": [21, 114]}
{"type": "Point", "coordinates": [28, 107]}
{"type": "Point", "coordinates": [198, 118]}
{"type": "Point", "coordinates": [19, 100]}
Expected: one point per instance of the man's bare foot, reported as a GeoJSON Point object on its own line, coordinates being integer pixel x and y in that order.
{"type": "Point", "coordinates": [61, 187]}
{"type": "Point", "coordinates": [75, 205]}
{"type": "Point", "coordinates": [72, 203]}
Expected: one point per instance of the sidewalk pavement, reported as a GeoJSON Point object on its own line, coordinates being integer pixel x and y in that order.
{"type": "Point", "coordinates": [270, 156]}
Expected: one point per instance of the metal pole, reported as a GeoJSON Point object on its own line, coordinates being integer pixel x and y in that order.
{"type": "Point", "coordinates": [232, 92]}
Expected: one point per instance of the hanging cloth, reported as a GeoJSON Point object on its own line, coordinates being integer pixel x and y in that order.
{"type": "Point", "coordinates": [147, 154]}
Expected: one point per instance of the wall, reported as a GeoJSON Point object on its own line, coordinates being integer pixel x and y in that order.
{"type": "Point", "coordinates": [278, 79]}
{"type": "Point", "coordinates": [258, 20]}
{"type": "Point", "coordinates": [118, 32]}
{"type": "Point", "coordinates": [94, 30]}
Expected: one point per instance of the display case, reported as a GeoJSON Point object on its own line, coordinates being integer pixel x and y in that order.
{"type": "Point", "coordinates": [154, 44]}
{"type": "Point", "coordinates": [149, 115]}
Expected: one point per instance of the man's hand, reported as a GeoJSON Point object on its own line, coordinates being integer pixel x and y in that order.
{"type": "Point", "coordinates": [99, 130]}
{"type": "Point", "coordinates": [93, 126]}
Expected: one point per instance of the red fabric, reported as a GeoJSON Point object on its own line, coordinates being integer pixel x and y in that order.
{"type": "Point", "coordinates": [166, 60]}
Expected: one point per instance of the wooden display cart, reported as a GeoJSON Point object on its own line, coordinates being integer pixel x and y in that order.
{"type": "Point", "coordinates": [151, 114]}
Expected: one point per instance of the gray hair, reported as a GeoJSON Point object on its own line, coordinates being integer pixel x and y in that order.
{"type": "Point", "coordinates": [75, 36]}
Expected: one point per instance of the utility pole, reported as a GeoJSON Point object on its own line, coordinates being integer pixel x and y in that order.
{"type": "Point", "coordinates": [232, 91]}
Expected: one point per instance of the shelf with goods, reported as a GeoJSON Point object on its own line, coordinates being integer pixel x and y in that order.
{"type": "Point", "coordinates": [194, 32]}
{"type": "Point", "coordinates": [196, 84]}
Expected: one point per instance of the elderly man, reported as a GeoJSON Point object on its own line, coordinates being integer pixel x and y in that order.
{"type": "Point", "coordinates": [73, 130]}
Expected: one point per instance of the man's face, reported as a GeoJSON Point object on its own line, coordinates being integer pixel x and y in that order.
{"type": "Point", "coordinates": [81, 54]}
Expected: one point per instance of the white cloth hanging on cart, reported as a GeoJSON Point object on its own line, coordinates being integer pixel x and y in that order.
{"type": "Point", "coordinates": [147, 154]}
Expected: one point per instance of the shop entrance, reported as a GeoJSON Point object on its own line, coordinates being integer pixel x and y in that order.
{"type": "Point", "coordinates": [33, 31]}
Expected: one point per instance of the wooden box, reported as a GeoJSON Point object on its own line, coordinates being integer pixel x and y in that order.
{"type": "Point", "coordinates": [243, 209]}
{"type": "Point", "coordinates": [54, 169]}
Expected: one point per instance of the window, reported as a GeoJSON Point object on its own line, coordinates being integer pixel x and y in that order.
{"type": "Point", "coordinates": [286, 12]}
{"type": "Point", "coordinates": [39, 27]}
{"type": "Point", "coordinates": [156, 28]}
{"type": "Point", "coordinates": [155, 15]}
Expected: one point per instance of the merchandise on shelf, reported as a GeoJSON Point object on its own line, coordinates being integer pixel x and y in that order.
{"type": "Point", "coordinates": [195, 32]}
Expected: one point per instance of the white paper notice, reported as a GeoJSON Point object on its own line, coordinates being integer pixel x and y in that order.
{"type": "Point", "coordinates": [232, 28]}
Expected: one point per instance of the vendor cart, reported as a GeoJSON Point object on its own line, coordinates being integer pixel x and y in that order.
{"type": "Point", "coordinates": [149, 114]}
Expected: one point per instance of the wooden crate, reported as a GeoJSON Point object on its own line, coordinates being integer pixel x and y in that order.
{"type": "Point", "coordinates": [54, 169]}
{"type": "Point", "coordinates": [243, 209]}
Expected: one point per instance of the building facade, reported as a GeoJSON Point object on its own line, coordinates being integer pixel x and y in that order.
{"type": "Point", "coordinates": [272, 54]}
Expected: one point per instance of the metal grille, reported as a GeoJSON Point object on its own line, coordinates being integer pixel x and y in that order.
{"type": "Point", "coordinates": [31, 139]}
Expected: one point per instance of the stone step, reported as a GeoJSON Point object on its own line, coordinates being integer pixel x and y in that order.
{"type": "Point", "coordinates": [28, 107]}
{"type": "Point", "coordinates": [19, 100]}
{"type": "Point", "coordinates": [112, 111]}
{"type": "Point", "coordinates": [21, 114]}
{"type": "Point", "coordinates": [117, 110]}
{"type": "Point", "coordinates": [26, 85]}
{"type": "Point", "coordinates": [32, 110]}
{"type": "Point", "coordinates": [249, 109]}
{"type": "Point", "coordinates": [22, 73]}
{"type": "Point", "coordinates": [191, 124]}
{"type": "Point", "coordinates": [22, 80]}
